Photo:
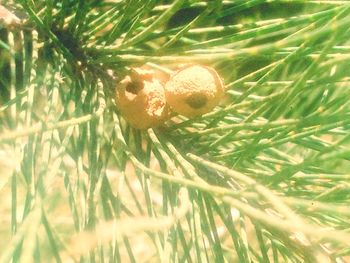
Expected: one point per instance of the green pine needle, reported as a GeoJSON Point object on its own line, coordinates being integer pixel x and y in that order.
{"type": "Point", "coordinates": [264, 177]}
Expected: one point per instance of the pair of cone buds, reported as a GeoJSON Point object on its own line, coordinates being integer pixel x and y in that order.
{"type": "Point", "coordinates": [147, 100]}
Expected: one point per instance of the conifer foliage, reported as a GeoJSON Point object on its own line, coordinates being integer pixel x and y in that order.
{"type": "Point", "coordinates": [262, 177]}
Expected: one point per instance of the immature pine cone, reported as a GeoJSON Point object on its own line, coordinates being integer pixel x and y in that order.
{"type": "Point", "coordinates": [141, 100]}
{"type": "Point", "coordinates": [194, 90]}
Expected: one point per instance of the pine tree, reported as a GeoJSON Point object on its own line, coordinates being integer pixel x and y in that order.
{"type": "Point", "coordinates": [261, 178]}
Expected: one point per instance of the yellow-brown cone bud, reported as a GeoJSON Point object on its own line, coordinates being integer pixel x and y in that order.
{"type": "Point", "coordinates": [194, 90]}
{"type": "Point", "coordinates": [141, 100]}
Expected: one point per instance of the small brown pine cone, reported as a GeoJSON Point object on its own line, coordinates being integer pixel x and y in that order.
{"type": "Point", "coordinates": [141, 100]}
{"type": "Point", "coordinates": [194, 90]}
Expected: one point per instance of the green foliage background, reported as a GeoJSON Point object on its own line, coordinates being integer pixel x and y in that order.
{"type": "Point", "coordinates": [262, 178]}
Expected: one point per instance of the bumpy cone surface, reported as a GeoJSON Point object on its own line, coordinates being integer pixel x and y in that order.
{"type": "Point", "coordinates": [194, 90]}
{"type": "Point", "coordinates": [142, 102]}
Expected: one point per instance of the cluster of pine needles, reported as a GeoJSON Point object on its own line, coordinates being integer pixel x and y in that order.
{"type": "Point", "coordinates": [264, 177]}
